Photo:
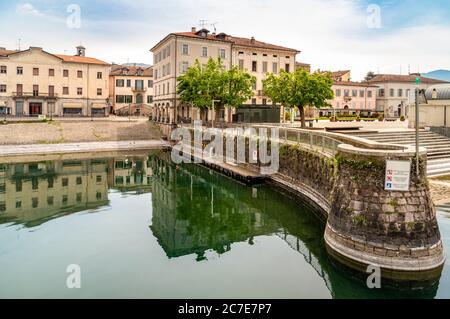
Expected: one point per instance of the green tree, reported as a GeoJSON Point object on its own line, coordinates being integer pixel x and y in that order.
{"type": "Point", "coordinates": [202, 85]}
{"type": "Point", "coordinates": [299, 89]}
{"type": "Point", "coordinates": [370, 75]}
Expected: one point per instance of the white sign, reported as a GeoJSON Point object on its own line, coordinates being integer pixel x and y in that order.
{"type": "Point", "coordinates": [398, 174]}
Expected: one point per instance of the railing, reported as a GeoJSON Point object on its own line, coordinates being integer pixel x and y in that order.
{"type": "Point", "coordinates": [138, 89]}
{"type": "Point", "coordinates": [35, 94]}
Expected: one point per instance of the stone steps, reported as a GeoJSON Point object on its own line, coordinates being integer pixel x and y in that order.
{"type": "Point", "coordinates": [438, 147]}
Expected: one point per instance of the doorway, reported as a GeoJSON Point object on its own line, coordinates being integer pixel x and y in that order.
{"type": "Point", "coordinates": [19, 108]}
{"type": "Point", "coordinates": [35, 108]}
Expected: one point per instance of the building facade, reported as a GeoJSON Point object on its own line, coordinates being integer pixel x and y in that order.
{"type": "Point", "coordinates": [34, 82]}
{"type": "Point", "coordinates": [178, 51]}
{"type": "Point", "coordinates": [350, 98]}
{"type": "Point", "coordinates": [131, 90]}
{"type": "Point", "coordinates": [397, 92]}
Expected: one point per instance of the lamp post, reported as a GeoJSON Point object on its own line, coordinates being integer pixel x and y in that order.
{"type": "Point", "coordinates": [214, 113]}
{"type": "Point", "coordinates": [417, 126]}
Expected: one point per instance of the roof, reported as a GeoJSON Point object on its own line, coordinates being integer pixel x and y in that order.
{"type": "Point", "coordinates": [80, 59]}
{"type": "Point", "coordinates": [442, 91]}
{"type": "Point", "coordinates": [336, 75]}
{"type": "Point", "coordinates": [221, 37]}
{"type": "Point", "coordinates": [65, 58]}
{"type": "Point", "coordinates": [131, 70]}
{"type": "Point", "coordinates": [352, 83]}
{"type": "Point", "coordinates": [402, 78]}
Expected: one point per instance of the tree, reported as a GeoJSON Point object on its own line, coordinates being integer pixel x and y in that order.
{"type": "Point", "coordinates": [299, 89]}
{"type": "Point", "coordinates": [370, 75]}
{"type": "Point", "coordinates": [202, 86]}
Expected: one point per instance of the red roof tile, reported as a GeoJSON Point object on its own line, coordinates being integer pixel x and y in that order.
{"type": "Point", "coordinates": [402, 78]}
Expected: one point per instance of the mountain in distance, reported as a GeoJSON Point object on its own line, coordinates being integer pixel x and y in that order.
{"type": "Point", "coordinates": [443, 75]}
{"type": "Point", "coordinates": [142, 65]}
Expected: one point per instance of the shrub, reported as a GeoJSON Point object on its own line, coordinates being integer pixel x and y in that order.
{"type": "Point", "coordinates": [358, 119]}
{"type": "Point", "coordinates": [381, 118]}
{"type": "Point", "coordinates": [375, 115]}
{"type": "Point", "coordinates": [402, 118]}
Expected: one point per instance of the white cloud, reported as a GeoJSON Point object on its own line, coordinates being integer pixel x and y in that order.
{"type": "Point", "coordinates": [27, 9]}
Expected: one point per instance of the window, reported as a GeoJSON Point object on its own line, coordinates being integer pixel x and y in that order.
{"type": "Point", "coordinates": [254, 86]}
{"type": "Point", "coordinates": [65, 90]}
{"type": "Point", "coordinates": [264, 101]}
{"type": "Point", "coordinates": [50, 201]}
{"type": "Point", "coordinates": [19, 70]}
{"type": "Point", "coordinates": [79, 74]}
{"type": "Point", "coordinates": [66, 73]}
{"type": "Point", "coordinates": [18, 186]}
{"type": "Point", "coordinates": [338, 92]}
{"type": "Point", "coordinates": [222, 53]}
{"type": "Point", "coordinates": [35, 90]}
{"type": "Point", "coordinates": [99, 178]}
{"type": "Point", "coordinates": [18, 204]}
{"type": "Point", "coordinates": [168, 50]}
{"type": "Point", "coordinates": [254, 101]}
{"type": "Point", "coordinates": [346, 92]}
{"type": "Point", "coordinates": [2, 88]}
{"type": "Point", "coordinates": [149, 99]}
{"type": "Point", "coordinates": [361, 93]}
{"type": "Point", "coordinates": [65, 181]}
{"type": "Point", "coordinates": [150, 83]}
{"type": "Point", "coordinates": [79, 180]}
{"type": "Point", "coordinates": [51, 72]}
{"type": "Point", "coordinates": [99, 92]}
{"type": "Point", "coordinates": [287, 67]}
{"type": "Point", "coordinates": [50, 181]}
{"type": "Point", "coordinates": [120, 99]}
{"type": "Point", "coordinates": [381, 92]}
{"type": "Point", "coordinates": [34, 202]}
{"type": "Point", "coordinates": [241, 64]}
{"type": "Point", "coordinates": [65, 200]}
{"type": "Point", "coordinates": [98, 195]}
{"type": "Point", "coordinates": [120, 83]}
{"type": "Point", "coordinates": [264, 66]}
{"type": "Point", "coordinates": [79, 197]}
{"type": "Point", "coordinates": [275, 67]}
{"type": "Point", "coordinates": [184, 66]}
{"type": "Point", "coordinates": [35, 71]}
{"type": "Point", "coordinates": [391, 93]}
{"type": "Point", "coordinates": [3, 69]}
{"type": "Point", "coordinates": [128, 83]}
{"type": "Point", "coordinates": [354, 93]}
{"type": "Point", "coordinates": [79, 91]}
{"type": "Point", "coordinates": [254, 66]}
{"type": "Point", "coordinates": [369, 93]}
{"type": "Point", "coordinates": [99, 75]}
{"type": "Point", "coordinates": [204, 52]}
{"type": "Point", "coordinates": [185, 49]}
{"type": "Point", "coordinates": [400, 92]}
{"type": "Point", "coordinates": [51, 90]}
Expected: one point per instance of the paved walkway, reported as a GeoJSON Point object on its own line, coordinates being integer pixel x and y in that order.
{"type": "Point", "coordinates": [10, 150]}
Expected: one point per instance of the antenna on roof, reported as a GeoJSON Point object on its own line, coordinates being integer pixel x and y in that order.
{"type": "Point", "coordinates": [18, 43]}
{"type": "Point", "coordinates": [202, 23]}
{"type": "Point", "coordinates": [214, 26]}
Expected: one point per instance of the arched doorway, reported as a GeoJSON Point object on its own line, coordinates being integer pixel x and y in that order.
{"type": "Point", "coordinates": [346, 110]}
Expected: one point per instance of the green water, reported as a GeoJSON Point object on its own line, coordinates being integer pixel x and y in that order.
{"type": "Point", "coordinates": [140, 227]}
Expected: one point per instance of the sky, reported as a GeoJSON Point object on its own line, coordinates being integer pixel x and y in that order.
{"type": "Point", "coordinates": [383, 36]}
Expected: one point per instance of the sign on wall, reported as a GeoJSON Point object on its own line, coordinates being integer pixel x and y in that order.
{"type": "Point", "coordinates": [398, 174]}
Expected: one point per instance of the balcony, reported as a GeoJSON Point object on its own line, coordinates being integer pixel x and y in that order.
{"type": "Point", "coordinates": [138, 89]}
{"type": "Point", "coordinates": [35, 94]}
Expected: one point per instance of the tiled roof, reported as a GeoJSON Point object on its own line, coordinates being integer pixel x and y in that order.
{"type": "Point", "coordinates": [65, 58]}
{"type": "Point", "coordinates": [402, 78]}
{"type": "Point", "coordinates": [131, 70]}
{"type": "Point", "coordinates": [80, 59]}
{"type": "Point", "coordinates": [234, 40]}
{"type": "Point", "coordinates": [6, 52]}
{"type": "Point", "coordinates": [352, 83]}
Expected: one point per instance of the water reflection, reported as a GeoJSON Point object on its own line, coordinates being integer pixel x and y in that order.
{"type": "Point", "coordinates": [194, 211]}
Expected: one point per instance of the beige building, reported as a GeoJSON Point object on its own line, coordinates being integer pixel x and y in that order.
{"type": "Point", "coordinates": [178, 51]}
{"type": "Point", "coordinates": [131, 90]}
{"type": "Point", "coordinates": [396, 92]}
{"type": "Point", "coordinates": [34, 82]}
{"type": "Point", "coordinates": [434, 110]}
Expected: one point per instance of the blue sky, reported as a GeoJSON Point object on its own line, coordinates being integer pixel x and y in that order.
{"type": "Point", "coordinates": [332, 34]}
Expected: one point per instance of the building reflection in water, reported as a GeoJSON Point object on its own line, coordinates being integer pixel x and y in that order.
{"type": "Point", "coordinates": [193, 209]}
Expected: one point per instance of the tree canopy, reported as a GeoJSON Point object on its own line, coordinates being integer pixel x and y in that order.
{"type": "Point", "coordinates": [299, 89]}
{"type": "Point", "coordinates": [203, 84]}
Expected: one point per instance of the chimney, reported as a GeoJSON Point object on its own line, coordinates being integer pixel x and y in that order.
{"type": "Point", "coordinates": [81, 51]}
{"type": "Point", "coordinates": [193, 30]}
{"type": "Point", "coordinates": [434, 94]}
{"type": "Point", "coordinates": [252, 40]}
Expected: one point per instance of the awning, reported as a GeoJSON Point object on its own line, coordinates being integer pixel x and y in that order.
{"type": "Point", "coordinates": [98, 105]}
{"type": "Point", "coordinates": [72, 105]}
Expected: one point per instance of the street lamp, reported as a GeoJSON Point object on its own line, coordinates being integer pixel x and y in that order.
{"type": "Point", "coordinates": [418, 91]}
{"type": "Point", "coordinates": [214, 113]}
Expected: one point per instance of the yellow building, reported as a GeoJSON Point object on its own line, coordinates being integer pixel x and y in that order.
{"type": "Point", "coordinates": [34, 82]}
{"type": "Point", "coordinates": [174, 54]}
{"type": "Point", "coordinates": [131, 89]}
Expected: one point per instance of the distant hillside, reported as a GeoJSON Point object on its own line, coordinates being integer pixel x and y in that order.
{"type": "Point", "coordinates": [137, 64]}
{"type": "Point", "coordinates": [443, 75]}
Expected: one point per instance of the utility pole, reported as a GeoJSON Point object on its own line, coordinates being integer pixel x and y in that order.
{"type": "Point", "coordinates": [417, 126]}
